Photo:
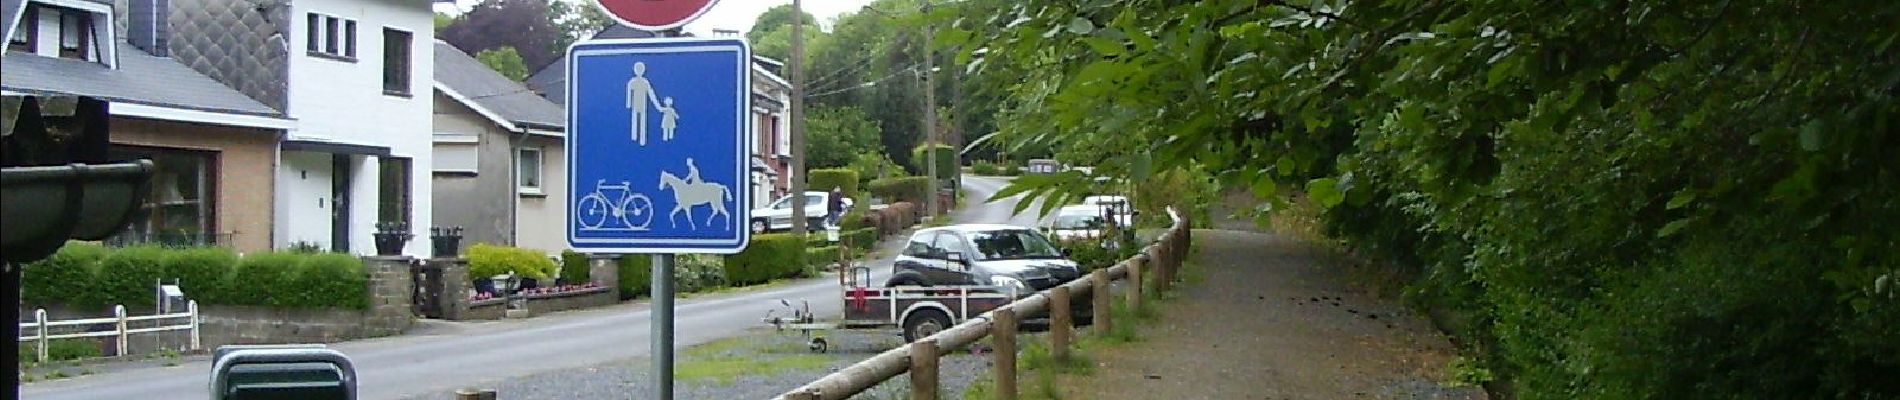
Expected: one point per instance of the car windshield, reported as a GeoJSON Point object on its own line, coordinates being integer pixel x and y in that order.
{"type": "Point", "coordinates": [1013, 244]}
{"type": "Point", "coordinates": [1078, 221]}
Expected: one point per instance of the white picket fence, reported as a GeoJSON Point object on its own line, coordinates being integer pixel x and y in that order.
{"type": "Point", "coordinates": [119, 321]}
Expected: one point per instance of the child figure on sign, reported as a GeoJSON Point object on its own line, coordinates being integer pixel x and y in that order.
{"type": "Point", "coordinates": [669, 118]}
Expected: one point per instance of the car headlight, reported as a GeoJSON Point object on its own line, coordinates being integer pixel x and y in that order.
{"type": "Point", "coordinates": [1012, 283]}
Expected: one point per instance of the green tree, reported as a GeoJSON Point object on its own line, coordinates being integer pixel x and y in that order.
{"type": "Point", "coordinates": [504, 60]}
{"type": "Point", "coordinates": [1670, 199]}
{"type": "Point", "coordinates": [834, 136]}
{"type": "Point", "coordinates": [779, 16]}
{"type": "Point", "coordinates": [576, 20]}
{"type": "Point", "coordinates": [442, 20]}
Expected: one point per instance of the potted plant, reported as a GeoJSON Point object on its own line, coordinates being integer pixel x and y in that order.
{"type": "Point", "coordinates": [446, 241]}
{"type": "Point", "coordinates": [391, 237]}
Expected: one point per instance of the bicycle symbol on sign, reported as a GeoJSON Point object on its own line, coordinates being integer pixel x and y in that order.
{"type": "Point", "coordinates": [630, 211]}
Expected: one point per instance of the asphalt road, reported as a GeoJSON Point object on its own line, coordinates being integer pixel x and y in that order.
{"type": "Point", "coordinates": [443, 356]}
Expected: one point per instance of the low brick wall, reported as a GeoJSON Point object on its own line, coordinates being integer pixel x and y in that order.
{"type": "Point", "coordinates": [542, 304]}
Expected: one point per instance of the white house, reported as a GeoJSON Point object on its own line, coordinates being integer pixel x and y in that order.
{"type": "Point", "coordinates": [359, 77]}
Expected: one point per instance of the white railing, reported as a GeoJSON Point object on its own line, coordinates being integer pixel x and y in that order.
{"type": "Point", "coordinates": [119, 321]}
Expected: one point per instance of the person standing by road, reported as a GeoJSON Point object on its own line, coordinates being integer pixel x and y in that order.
{"type": "Point", "coordinates": [835, 206]}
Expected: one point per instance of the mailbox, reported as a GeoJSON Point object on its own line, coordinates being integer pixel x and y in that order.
{"type": "Point", "coordinates": [288, 372]}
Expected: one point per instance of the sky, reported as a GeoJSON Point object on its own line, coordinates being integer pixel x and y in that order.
{"type": "Point", "coordinates": [727, 14]}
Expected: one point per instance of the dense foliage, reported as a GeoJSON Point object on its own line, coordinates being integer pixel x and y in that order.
{"type": "Point", "coordinates": [486, 260]}
{"type": "Point", "coordinates": [824, 180]}
{"type": "Point", "coordinates": [835, 136]}
{"type": "Point", "coordinates": [90, 276]}
{"type": "Point", "coordinates": [913, 189]}
{"type": "Point", "coordinates": [1670, 199]}
{"type": "Point", "coordinates": [767, 257]}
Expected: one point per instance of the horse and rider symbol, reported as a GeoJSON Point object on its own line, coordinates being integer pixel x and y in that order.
{"type": "Point", "coordinates": [617, 207]}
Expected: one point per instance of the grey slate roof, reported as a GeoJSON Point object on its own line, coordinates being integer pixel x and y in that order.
{"type": "Point", "coordinates": [551, 81]}
{"type": "Point", "coordinates": [487, 88]}
{"type": "Point", "coordinates": [141, 79]}
{"type": "Point", "coordinates": [10, 13]}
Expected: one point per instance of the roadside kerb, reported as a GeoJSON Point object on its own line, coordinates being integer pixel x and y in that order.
{"type": "Point", "coordinates": [1163, 257]}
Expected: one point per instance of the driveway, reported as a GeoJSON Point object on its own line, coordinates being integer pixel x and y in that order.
{"type": "Point", "coordinates": [443, 356]}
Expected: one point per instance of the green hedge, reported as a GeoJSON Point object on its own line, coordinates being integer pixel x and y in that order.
{"type": "Point", "coordinates": [90, 276]}
{"type": "Point", "coordinates": [984, 167]}
{"type": "Point", "coordinates": [1012, 170]}
{"type": "Point", "coordinates": [486, 260]}
{"type": "Point", "coordinates": [635, 274]}
{"type": "Point", "coordinates": [574, 268]}
{"type": "Point", "coordinates": [768, 257]}
{"type": "Point", "coordinates": [126, 276]}
{"type": "Point", "coordinates": [315, 281]}
{"type": "Point", "coordinates": [825, 179]}
{"type": "Point", "coordinates": [912, 189]}
{"type": "Point", "coordinates": [946, 159]}
{"type": "Point", "coordinates": [65, 277]}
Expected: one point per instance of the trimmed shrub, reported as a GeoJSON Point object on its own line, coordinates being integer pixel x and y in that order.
{"type": "Point", "coordinates": [984, 167]}
{"type": "Point", "coordinates": [911, 189]}
{"type": "Point", "coordinates": [1012, 170]}
{"type": "Point", "coordinates": [259, 277]}
{"type": "Point", "coordinates": [768, 257]}
{"type": "Point", "coordinates": [946, 159]}
{"type": "Point", "coordinates": [817, 258]}
{"type": "Point", "coordinates": [635, 274]}
{"type": "Point", "coordinates": [325, 280]}
{"type": "Point", "coordinates": [825, 179]}
{"type": "Point", "coordinates": [860, 238]}
{"type": "Point", "coordinates": [65, 277]}
{"type": "Point", "coordinates": [486, 260]}
{"type": "Point", "coordinates": [574, 268]}
{"type": "Point", "coordinates": [127, 275]}
{"type": "Point", "coordinates": [697, 272]}
{"type": "Point", "coordinates": [201, 271]}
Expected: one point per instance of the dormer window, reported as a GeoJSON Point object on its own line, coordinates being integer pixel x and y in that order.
{"type": "Point", "coordinates": [75, 32]}
{"type": "Point", "coordinates": [22, 39]}
{"type": "Point", "coordinates": [59, 31]}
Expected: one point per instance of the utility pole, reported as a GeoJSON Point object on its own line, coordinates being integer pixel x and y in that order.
{"type": "Point", "coordinates": [798, 117]}
{"type": "Point", "coordinates": [930, 116]}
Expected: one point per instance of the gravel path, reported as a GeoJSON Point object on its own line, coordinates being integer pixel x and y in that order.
{"type": "Point", "coordinates": [1267, 319]}
{"type": "Point", "coordinates": [757, 365]}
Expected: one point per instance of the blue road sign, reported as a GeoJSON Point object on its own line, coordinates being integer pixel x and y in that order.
{"type": "Point", "coordinates": [657, 153]}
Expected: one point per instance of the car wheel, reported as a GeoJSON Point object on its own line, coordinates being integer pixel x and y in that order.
{"type": "Point", "coordinates": [923, 323]}
{"type": "Point", "coordinates": [759, 225]}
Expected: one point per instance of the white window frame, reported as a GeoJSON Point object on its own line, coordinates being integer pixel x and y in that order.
{"type": "Point", "coordinates": [318, 32]}
{"type": "Point", "coordinates": [540, 160]}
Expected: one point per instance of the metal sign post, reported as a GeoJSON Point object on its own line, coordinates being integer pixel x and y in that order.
{"type": "Point", "coordinates": [659, 160]}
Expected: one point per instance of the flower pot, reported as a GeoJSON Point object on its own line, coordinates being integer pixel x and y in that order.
{"type": "Point", "coordinates": [390, 244]}
{"type": "Point", "coordinates": [445, 241]}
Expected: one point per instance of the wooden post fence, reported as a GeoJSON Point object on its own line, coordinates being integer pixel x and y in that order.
{"type": "Point", "coordinates": [1098, 297]}
{"type": "Point", "coordinates": [923, 370]}
{"type": "Point", "coordinates": [1003, 333]}
{"type": "Point", "coordinates": [1134, 283]}
{"type": "Point", "coordinates": [1060, 324]}
{"type": "Point", "coordinates": [1160, 260]}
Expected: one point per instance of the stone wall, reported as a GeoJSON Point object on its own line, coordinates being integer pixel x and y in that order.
{"type": "Point", "coordinates": [543, 304]}
{"type": "Point", "coordinates": [389, 313]}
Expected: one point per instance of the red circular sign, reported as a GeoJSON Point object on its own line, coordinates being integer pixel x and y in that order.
{"type": "Point", "coordinates": [655, 15]}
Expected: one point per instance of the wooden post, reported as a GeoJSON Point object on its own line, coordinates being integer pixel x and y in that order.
{"type": "Point", "coordinates": [119, 311]}
{"type": "Point", "coordinates": [1098, 297]}
{"type": "Point", "coordinates": [923, 370]}
{"type": "Point", "coordinates": [1164, 269]}
{"type": "Point", "coordinates": [39, 314]}
{"type": "Point", "coordinates": [1003, 334]}
{"type": "Point", "coordinates": [1134, 283]}
{"type": "Point", "coordinates": [807, 395]}
{"type": "Point", "coordinates": [1060, 324]}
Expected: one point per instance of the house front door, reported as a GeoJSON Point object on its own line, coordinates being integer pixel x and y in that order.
{"type": "Point", "coordinates": [340, 203]}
